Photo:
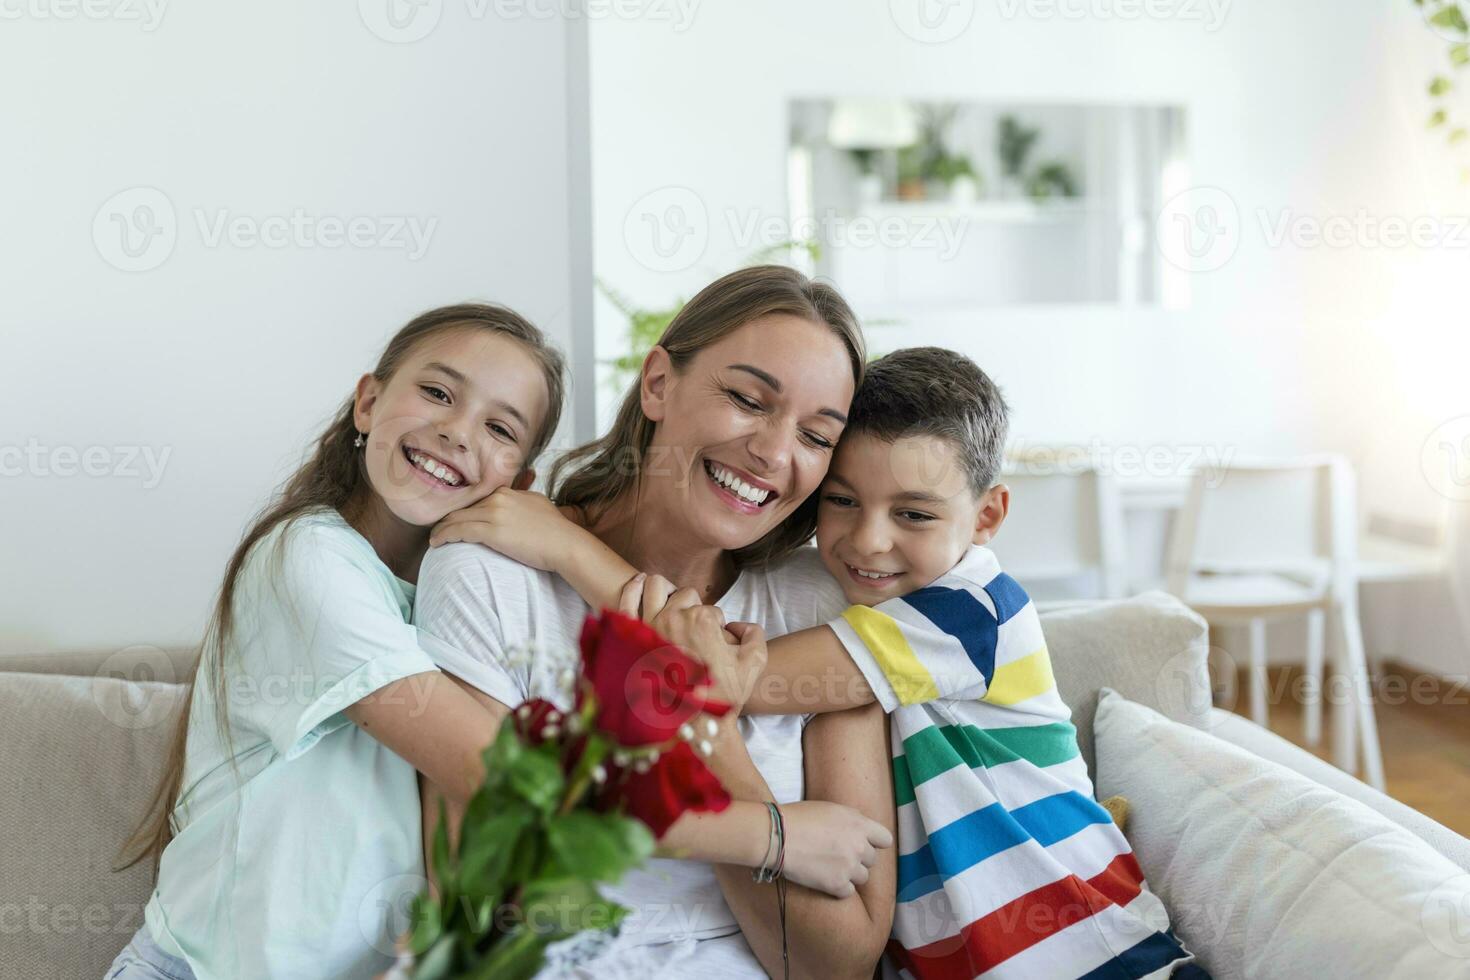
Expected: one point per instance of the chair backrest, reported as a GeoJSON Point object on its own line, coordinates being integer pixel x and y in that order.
{"type": "Point", "coordinates": [1064, 526]}
{"type": "Point", "coordinates": [1295, 515]}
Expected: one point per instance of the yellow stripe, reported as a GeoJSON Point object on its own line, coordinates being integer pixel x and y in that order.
{"type": "Point", "coordinates": [1021, 679]}
{"type": "Point", "coordinates": [880, 633]}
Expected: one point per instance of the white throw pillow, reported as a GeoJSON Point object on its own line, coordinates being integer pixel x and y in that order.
{"type": "Point", "coordinates": [1266, 873]}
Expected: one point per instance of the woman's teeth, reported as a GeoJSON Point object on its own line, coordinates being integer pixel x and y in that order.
{"type": "Point", "coordinates": [434, 468]}
{"type": "Point", "coordinates": [735, 485]}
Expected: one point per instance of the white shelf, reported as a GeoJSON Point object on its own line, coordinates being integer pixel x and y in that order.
{"type": "Point", "coordinates": [1021, 211]}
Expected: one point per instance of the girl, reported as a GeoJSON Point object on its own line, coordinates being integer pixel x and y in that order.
{"type": "Point", "coordinates": [287, 823]}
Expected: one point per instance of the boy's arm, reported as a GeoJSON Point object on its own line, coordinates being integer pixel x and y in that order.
{"type": "Point", "coordinates": [808, 672]}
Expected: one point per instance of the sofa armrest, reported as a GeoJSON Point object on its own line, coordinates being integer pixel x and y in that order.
{"type": "Point", "coordinates": [1246, 734]}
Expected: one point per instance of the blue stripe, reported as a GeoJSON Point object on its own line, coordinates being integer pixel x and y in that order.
{"type": "Point", "coordinates": [963, 617]}
{"type": "Point", "coordinates": [1058, 817]}
{"type": "Point", "coordinates": [988, 831]}
{"type": "Point", "coordinates": [1149, 956]}
{"type": "Point", "coordinates": [955, 847]}
{"type": "Point", "coordinates": [1008, 596]}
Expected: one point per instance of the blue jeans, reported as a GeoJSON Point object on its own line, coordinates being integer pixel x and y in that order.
{"type": "Point", "coordinates": [141, 959]}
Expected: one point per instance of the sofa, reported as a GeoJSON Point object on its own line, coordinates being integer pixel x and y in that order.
{"type": "Point", "coordinates": [82, 739]}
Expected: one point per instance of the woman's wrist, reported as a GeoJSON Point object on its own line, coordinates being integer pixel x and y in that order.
{"type": "Point", "coordinates": [738, 835]}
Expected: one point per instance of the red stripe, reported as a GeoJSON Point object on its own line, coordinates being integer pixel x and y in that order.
{"type": "Point", "coordinates": [1014, 927]}
{"type": "Point", "coordinates": [1121, 880]}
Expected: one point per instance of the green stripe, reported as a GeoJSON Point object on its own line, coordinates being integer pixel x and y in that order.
{"type": "Point", "coordinates": [939, 749]}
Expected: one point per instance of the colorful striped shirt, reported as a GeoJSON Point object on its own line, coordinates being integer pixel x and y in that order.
{"type": "Point", "coordinates": [1007, 866]}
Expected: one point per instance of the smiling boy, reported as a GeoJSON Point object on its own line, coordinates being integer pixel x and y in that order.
{"type": "Point", "coordinates": [1008, 867]}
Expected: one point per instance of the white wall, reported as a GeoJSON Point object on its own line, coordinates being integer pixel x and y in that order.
{"type": "Point", "coordinates": [229, 357]}
{"type": "Point", "coordinates": [1304, 109]}
{"type": "Point", "coordinates": [1290, 106]}
{"type": "Point", "coordinates": [1307, 109]}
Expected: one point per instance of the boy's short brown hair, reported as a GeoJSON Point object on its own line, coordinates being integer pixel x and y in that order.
{"type": "Point", "coordinates": [931, 391]}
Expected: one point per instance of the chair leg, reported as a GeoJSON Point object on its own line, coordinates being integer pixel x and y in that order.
{"type": "Point", "coordinates": [1312, 689]}
{"type": "Point", "coordinates": [1361, 695]}
{"type": "Point", "coordinates": [1344, 718]}
{"type": "Point", "coordinates": [1258, 672]}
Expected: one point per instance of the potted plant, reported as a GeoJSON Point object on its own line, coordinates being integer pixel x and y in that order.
{"type": "Point", "coordinates": [1016, 142]}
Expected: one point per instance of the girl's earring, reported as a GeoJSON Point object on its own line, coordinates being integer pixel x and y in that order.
{"type": "Point", "coordinates": [359, 442]}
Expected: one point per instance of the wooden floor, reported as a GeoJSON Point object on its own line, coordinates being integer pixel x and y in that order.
{"type": "Point", "coordinates": [1423, 725]}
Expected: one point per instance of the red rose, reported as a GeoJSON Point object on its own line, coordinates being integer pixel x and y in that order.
{"type": "Point", "coordinates": [532, 717]}
{"type": "Point", "coordinates": [679, 781]}
{"type": "Point", "coordinates": [645, 687]}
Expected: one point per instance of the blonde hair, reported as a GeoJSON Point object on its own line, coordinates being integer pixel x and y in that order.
{"type": "Point", "coordinates": [333, 477]}
{"type": "Point", "coordinates": [594, 475]}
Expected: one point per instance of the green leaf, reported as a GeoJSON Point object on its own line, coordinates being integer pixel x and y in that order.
{"type": "Point", "coordinates": [1440, 86]}
{"type": "Point", "coordinates": [560, 907]}
{"type": "Point", "coordinates": [600, 846]}
{"type": "Point", "coordinates": [517, 956]}
{"type": "Point", "coordinates": [1451, 18]}
{"type": "Point", "coordinates": [1460, 55]}
{"type": "Point", "coordinates": [435, 964]}
{"type": "Point", "coordinates": [1457, 135]}
{"type": "Point", "coordinates": [536, 777]}
{"type": "Point", "coordinates": [428, 924]}
{"type": "Point", "coordinates": [1438, 118]}
{"type": "Point", "coordinates": [485, 857]}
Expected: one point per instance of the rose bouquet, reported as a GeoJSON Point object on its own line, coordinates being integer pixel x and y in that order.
{"type": "Point", "coordinates": [570, 800]}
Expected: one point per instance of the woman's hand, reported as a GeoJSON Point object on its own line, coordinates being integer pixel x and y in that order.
{"type": "Point", "coordinates": [829, 846]}
{"type": "Point", "coordinates": [521, 524]}
{"type": "Point", "coordinates": [734, 654]}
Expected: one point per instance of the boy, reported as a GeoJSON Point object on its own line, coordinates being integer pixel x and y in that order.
{"type": "Point", "coordinates": [1007, 865]}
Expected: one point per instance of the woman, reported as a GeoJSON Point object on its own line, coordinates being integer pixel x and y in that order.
{"type": "Point", "coordinates": [753, 378]}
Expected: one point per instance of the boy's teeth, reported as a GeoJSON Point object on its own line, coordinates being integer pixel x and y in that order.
{"type": "Point", "coordinates": [736, 485]}
{"type": "Point", "coordinates": [872, 574]}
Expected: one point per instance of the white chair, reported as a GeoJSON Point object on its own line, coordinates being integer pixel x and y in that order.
{"type": "Point", "coordinates": [1064, 530]}
{"type": "Point", "coordinates": [1263, 541]}
{"type": "Point", "coordinates": [1397, 553]}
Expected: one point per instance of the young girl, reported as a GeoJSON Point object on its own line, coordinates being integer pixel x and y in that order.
{"type": "Point", "coordinates": [287, 823]}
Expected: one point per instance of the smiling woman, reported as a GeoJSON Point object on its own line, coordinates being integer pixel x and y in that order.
{"type": "Point", "coordinates": [751, 381]}
{"type": "Point", "coordinates": [706, 479]}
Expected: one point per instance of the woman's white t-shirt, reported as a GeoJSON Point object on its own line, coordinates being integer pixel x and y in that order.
{"type": "Point", "coordinates": [512, 631]}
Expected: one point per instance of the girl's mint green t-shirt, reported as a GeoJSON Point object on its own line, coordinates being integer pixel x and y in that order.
{"type": "Point", "coordinates": [300, 861]}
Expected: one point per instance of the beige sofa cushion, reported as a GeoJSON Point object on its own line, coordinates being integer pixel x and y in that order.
{"type": "Point", "coordinates": [1151, 649]}
{"type": "Point", "coordinates": [79, 757]}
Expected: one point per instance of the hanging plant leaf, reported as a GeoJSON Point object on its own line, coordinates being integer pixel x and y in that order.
{"type": "Point", "coordinates": [1440, 86]}
{"type": "Point", "coordinates": [1450, 17]}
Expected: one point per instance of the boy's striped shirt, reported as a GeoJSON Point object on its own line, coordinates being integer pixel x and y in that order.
{"type": "Point", "coordinates": [1007, 865]}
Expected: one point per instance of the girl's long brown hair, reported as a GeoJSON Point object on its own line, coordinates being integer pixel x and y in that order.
{"type": "Point", "coordinates": [594, 475]}
{"type": "Point", "coordinates": [332, 477]}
